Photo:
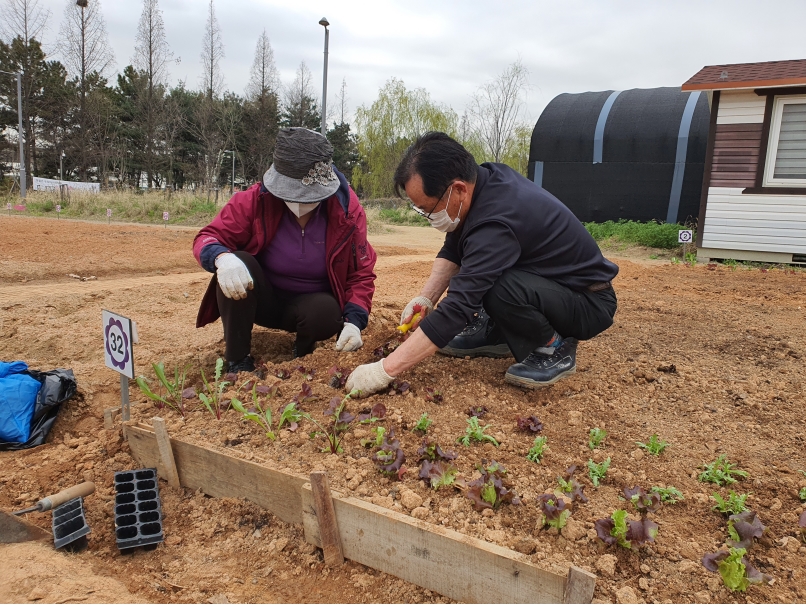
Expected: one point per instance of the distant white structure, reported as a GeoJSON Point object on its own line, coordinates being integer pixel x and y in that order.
{"type": "Point", "coordinates": [41, 184]}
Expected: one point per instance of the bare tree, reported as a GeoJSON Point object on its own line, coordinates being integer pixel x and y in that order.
{"type": "Point", "coordinates": [212, 53]}
{"type": "Point", "coordinates": [151, 57]}
{"type": "Point", "coordinates": [496, 108]}
{"type": "Point", "coordinates": [301, 106]}
{"type": "Point", "coordinates": [264, 80]}
{"type": "Point", "coordinates": [23, 18]}
{"type": "Point", "coordinates": [342, 98]}
{"type": "Point", "coordinates": [84, 46]}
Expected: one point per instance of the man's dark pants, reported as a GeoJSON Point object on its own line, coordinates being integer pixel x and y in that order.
{"type": "Point", "coordinates": [528, 309]}
{"type": "Point", "coordinates": [313, 317]}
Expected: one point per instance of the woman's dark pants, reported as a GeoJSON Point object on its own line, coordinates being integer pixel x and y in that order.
{"type": "Point", "coordinates": [313, 317]}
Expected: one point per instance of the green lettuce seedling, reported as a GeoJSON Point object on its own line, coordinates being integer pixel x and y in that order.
{"type": "Point", "coordinates": [734, 504]}
{"type": "Point", "coordinates": [736, 571]}
{"type": "Point", "coordinates": [596, 438]}
{"type": "Point", "coordinates": [423, 423]}
{"type": "Point", "coordinates": [597, 472]}
{"type": "Point", "coordinates": [668, 495]}
{"type": "Point", "coordinates": [536, 451]}
{"type": "Point", "coordinates": [212, 399]}
{"type": "Point", "coordinates": [721, 471]}
{"type": "Point", "coordinates": [257, 413]}
{"type": "Point", "coordinates": [175, 391]}
{"type": "Point", "coordinates": [474, 432]}
{"type": "Point", "coordinates": [654, 445]}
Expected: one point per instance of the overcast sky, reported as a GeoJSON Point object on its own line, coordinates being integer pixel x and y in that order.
{"type": "Point", "coordinates": [451, 47]}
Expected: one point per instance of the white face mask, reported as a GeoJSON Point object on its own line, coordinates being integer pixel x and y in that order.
{"type": "Point", "coordinates": [301, 209]}
{"type": "Point", "coordinates": [441, 221]}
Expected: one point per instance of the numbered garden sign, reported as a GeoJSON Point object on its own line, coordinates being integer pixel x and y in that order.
{"type": "Point", "coordinates": [119, 353]}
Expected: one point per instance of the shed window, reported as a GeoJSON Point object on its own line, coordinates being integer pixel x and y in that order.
{"type": "Point", "coordinates": [786, 160]}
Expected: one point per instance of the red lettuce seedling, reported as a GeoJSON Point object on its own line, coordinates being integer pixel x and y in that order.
{"type": "Point", "coordinates": [430, 450]}
{"type": "Point", "coordinates": [433, 395]}
{"type": "Point", "coordinates": [398, 387]}
{"type": "Point", "coordinates": [491, 489]}
{"type": "Point", "coordinates": [742, 528]}
{"type": "Point", "coordinates": [272, 391]}
{"type": "Point", "coordinates": [627, 533]}
{"type": "Point", "coordinates": [530, 424]}
{"type": "Point", "coordinates": [736, 571]}
{"type": "Point", "coordinates": [390, 458]}
{"type": "Point", "coordinates": [555, 511]}
{"type": "Point", "coordinates": [478, 411]}
{"type": "Point", "coordinates": [386, 348]}
{"type": "Point", "coordinates": [373, 414]}
{"type": "Point", "coordinates": [643, 502]}
{"type": "Point", "coordinates": [307, 373]}
{"type": "Point", "coordinates": [570, 486]}
{"type": "Point", "coordinates": [305, 394]}
{"type": "Point", "coordinates": [282, 374]}
{"type": "Point", "coordinates": [338, 377]}
{"type": "Point", "coordinates": [802, 526]}
{"type": "Point", "coordinates": [439, 473]}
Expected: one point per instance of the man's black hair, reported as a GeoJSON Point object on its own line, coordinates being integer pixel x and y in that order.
{"type": "Point", "coordinates": [439, 160]}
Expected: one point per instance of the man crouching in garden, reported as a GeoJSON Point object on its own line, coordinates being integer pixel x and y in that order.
{"type": "Point", "coordinates": [525, 276]}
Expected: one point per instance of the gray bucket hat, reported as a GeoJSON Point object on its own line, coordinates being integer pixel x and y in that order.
{"type": "Point", "coordinates": [303, 167]}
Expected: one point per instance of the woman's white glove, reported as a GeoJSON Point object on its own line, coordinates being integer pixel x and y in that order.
{"type": "Point", "coordinates": [369, 378]}
{"type": "Point", "coordinates": [409, 310]}
{"type": "Point", "coordinates": [349, 339]}
{"type": "Point", "coordinates": [233, 276]}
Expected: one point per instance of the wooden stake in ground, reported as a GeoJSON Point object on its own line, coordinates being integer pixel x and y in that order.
{"type": "Point", "coordinates": [579, 586]}
{"type": "Point", "coordinates": [166, 453]}
{"type": "Point", "coordinates": [326, 515]}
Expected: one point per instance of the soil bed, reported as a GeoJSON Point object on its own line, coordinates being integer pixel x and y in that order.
{"type": "Point", "coordinates": [734, 337]}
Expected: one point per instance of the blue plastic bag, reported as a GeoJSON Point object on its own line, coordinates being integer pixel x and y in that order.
{"type": "Point", "coordinates": [18, 393]}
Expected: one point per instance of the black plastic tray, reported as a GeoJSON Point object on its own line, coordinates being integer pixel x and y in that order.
{"type": "Point", "coordinates": [138, 510]}
{"type": "Point", "coordinates": [70, 524]}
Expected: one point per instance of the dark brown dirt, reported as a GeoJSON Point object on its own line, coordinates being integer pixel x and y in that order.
{"type": "Point", "coordinates": [735, 339]}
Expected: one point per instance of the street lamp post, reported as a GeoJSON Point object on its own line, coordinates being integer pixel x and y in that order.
{"type": "Point", "coordinates": [324, 23]}
{"type": "Point", "coordinates": [61, 166]}
{"type": "Point", "coordinates": [23, 180]}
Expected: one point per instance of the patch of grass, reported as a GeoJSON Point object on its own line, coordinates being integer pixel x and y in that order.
{"type": "Point", "coordinates": [402, 216]}
{"type": "Point", "coordinates": [184, 207]}
{"type": "Point", "coordinates": [651, 234]}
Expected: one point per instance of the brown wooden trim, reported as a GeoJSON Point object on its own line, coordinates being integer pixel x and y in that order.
{"type": "Point", "coordinates": [775, 191]}
{"type": "Point", "coordinates": [715, 86]}
{"type": "Point", "coordinates": [709, 160]}
{"type": "Point", "coordinates": [791, 90]}
{"type": "Point", "coordinates": [765, 141]}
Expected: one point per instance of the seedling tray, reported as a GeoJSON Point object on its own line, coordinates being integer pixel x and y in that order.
{"type": "Point", "coordinates": [138, 512]}
{"type": "Point", "coordinates": [70, 525]}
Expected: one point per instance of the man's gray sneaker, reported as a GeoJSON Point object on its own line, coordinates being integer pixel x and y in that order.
{"type": "Point", "coordinates": [480, 338]}
{"type": "Point", "coordinates": [539, 370]}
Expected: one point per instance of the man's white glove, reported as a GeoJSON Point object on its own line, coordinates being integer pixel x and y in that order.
{"type": "Point", "coordinates": [349, 339]}
{"type": "Point", "coordinates": [369, 378]}
{"type": "Point", "coordinates": [417, 300]}
{"type": "Point", "coordinates": [233, 276]}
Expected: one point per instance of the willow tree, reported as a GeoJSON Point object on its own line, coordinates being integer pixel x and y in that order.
{"type": "Point", "coordinates": [387, 127]}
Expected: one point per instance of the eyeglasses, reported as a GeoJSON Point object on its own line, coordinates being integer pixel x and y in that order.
{"type": "Point", "coordinates": [422, 212]}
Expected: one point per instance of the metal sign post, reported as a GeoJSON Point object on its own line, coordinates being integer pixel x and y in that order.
{"type": "Point", "coordinates": [119, 353]}
{"type": "Point", "coordinates": [108, 216]}
{"type": "Point", "coordinates": [165, 217]}
{"type": "Point", "coordinates": [58, 211]}
{"type": "Point", "coordinates": [684, 236]}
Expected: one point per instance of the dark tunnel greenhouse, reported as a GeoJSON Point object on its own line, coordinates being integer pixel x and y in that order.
{"type": "Point", "coordinates": [633, 154]}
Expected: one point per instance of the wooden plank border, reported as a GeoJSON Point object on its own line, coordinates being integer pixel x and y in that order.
{"type": "Point", "coordinates": [436, 558]}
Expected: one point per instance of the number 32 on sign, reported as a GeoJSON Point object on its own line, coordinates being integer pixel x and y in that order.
{"type": "Point", "coordinates": [118, 350]}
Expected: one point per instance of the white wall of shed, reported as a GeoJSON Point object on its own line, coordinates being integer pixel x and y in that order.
{"type": "Point", "coordinates": [742, 107]}
{"type": "Point", "coordinates": [763, 223]}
